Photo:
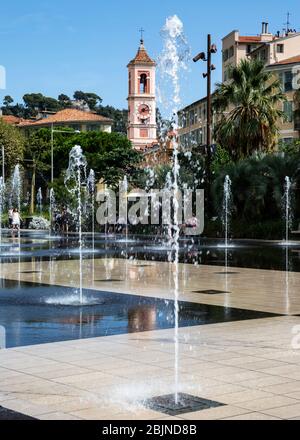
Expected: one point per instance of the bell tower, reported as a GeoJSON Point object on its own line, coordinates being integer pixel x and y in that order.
{"type": "Point", "coordinates": [142, 130]}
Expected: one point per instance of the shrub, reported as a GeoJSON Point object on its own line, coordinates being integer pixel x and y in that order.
{"type": "Point", "coordinates": [39, 223]}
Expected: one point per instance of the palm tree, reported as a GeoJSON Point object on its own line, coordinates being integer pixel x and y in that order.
{"type": "Point", "coordinates": [258, 186]}
{"type": "Point", "coordinates": [248, 109]}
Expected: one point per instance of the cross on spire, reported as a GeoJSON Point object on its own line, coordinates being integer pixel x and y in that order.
{"type": "Point", "coordinates": [142, 34]}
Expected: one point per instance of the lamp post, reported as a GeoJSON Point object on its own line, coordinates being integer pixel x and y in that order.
{"type": "Point", "coordinates": [31, 162]}
{"type": "Point", "coordinates": [211, 49]}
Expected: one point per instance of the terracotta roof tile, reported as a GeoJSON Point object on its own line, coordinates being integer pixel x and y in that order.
{"type": "Point", "coordinates": [10, 119]}
{"type": "Point", "coordinates": [250, 39]}
{"type": "Point", "coordinates": [292, 60]}
{"type": "Point", "coordinates": [68, 115]}
{"type": "Point", "coordinates": [142, 57]}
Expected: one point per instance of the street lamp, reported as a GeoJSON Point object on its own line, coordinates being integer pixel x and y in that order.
{"type": "Point", "coordinates": [206, 57]}
{"type": "Point", "coordinates": [52, 146]}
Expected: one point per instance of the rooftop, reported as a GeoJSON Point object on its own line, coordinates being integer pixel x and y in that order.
{"type": "Point", "coordinates": [250, 39]}
{"type": "Point", "coordinates": [142, 56]}
{"type": "Point", "coordinates": [292, 60]}
{"type": "Point", "coordinates": [68, 115]}
{"type": "Point", "coordinates": [12, 120]}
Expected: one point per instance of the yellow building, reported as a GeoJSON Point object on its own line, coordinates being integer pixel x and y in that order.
{"type": "Point", "coordinates": [281, 55]}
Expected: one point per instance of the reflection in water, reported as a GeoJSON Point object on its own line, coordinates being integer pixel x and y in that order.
{"type": "Point", "coordinates": [29, 320]}
{"type": "Point", "coordinates": [287, 280]}
{"type": "Point", "coordinates": [245, 254]}
{"type": "Point", "coordinates": [141, 319]}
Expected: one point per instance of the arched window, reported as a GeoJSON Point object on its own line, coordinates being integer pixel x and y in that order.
{"type": "Point", "coordinates": [129, 83]}
{"type": "Point", "coordinates": [143, 83]}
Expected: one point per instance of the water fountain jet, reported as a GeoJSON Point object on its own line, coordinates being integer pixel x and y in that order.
{"type": "Point", "coordinates": [227, 199]}
{"type": "Point", "coordinates": [172, 61]}
{"type": "Point", "coordinates": [287, 207]}
{"type": "Point", "coordinates": [2, 199]}
{"type": "Point", "coordinates": [91, 189]}
{"type": "Point", "coordinates": [39, 199]}
{"type": "Point", "coordinates": [74, 179]}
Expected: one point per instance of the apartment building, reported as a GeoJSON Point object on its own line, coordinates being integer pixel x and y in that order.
{"type": "Point", "coordinates": [192, 123]}
{"type": "Point", "coordinates": [281, 55]}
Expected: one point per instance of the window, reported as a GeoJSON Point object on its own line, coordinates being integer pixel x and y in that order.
{"type": "Point", "coordinates": [180, 120]}
{"type": "Point", "coordinates": [199, 136]}
{"type": "Point", "coordinates": [76, 127]}
{"type": "Point", "coordinates": [280, 48]}
{"type": "Point", "coordinates": [144, 133]}
{"type": "Point", "coordinates": [288, 81]}
{"type": "Point", "coordinates": [192, 117]}
{"type": "Point", "coordinates": [92, 127]}
{"type": "Point", "coordinates": [225, 55]}
{"type": "Point", "coordinates": [263, 55]}
{"type": "Point", "coordinates": [143, 83]}
{"type": "Point", "coordinates": [198, 114]}
{"type": "Point", "coordinates": [129, 83]}
{"type": "Point", "coordinates": [231, 52]}
{"type": "Point", "coordinates": [288, 111]}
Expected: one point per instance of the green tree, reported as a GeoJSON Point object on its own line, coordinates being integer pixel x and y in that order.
{"type": "Point", "coordinates": [36, 102]}
{"type": "Point", "coordinates": [192, 169]}
{"type": "Point", "coordinates": [64, 100]}
{"type": "Point", "coordinates": [7, 107]}
{"type": "Point", "coordinates": [120, 117]}
{"type": "Point", "coordinates": [37, 159]}
{"type": "Point", "coordinates": [258, 186]}
{"type": "Point", "coordinates": [221, 158]}
{"type": "Point", "coordinates": [7, 101]}
{"type": "Point", "coordinates": [249, 109]}
{"type": "Point", "coordinates": [110, 154]}
{"type": "Point", "coordinates": [13, 142]}
{"type": "Point", "coordinates": [91, 99]}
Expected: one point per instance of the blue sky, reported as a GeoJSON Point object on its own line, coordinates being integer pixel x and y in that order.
{"type": "Point", "coordinates": [62, 45]}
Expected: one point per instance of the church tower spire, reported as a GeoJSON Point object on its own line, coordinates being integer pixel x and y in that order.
{"type": "Point", "coordinates": [142, 130]}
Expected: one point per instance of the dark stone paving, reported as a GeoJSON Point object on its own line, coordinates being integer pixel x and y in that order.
{"type": "Point", "coordinates": [211, 292]}
{"type": "Point", "coordinates": [8, 414]}
{"type": "Point", "coordinates": [186, 404]}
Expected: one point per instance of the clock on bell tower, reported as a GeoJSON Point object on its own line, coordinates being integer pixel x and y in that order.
{"type": "Point", "coordinates": [142, 130]}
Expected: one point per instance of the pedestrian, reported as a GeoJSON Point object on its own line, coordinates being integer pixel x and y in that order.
{"type": "Point", "coordinates": [10, 217]}
{"type": "Point", "coordinates": [65, 221]}
{"type": "Point", "coordinates": [16, 222]}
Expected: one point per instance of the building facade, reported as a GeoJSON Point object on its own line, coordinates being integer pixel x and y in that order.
{"type": "Point", "coordinates": [192, 124]}
{"type": "Point", "coordinates": [281, 55]}
{"type": "Point", "coordinates": [142, 129]}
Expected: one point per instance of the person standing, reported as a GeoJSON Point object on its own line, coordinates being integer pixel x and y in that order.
{"type": "Point", "coordinates": [16, 222]}
{"type": "Point", "coordinates": [65, 221]}
{"type": "Point", "coordinates": [10, 217]}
